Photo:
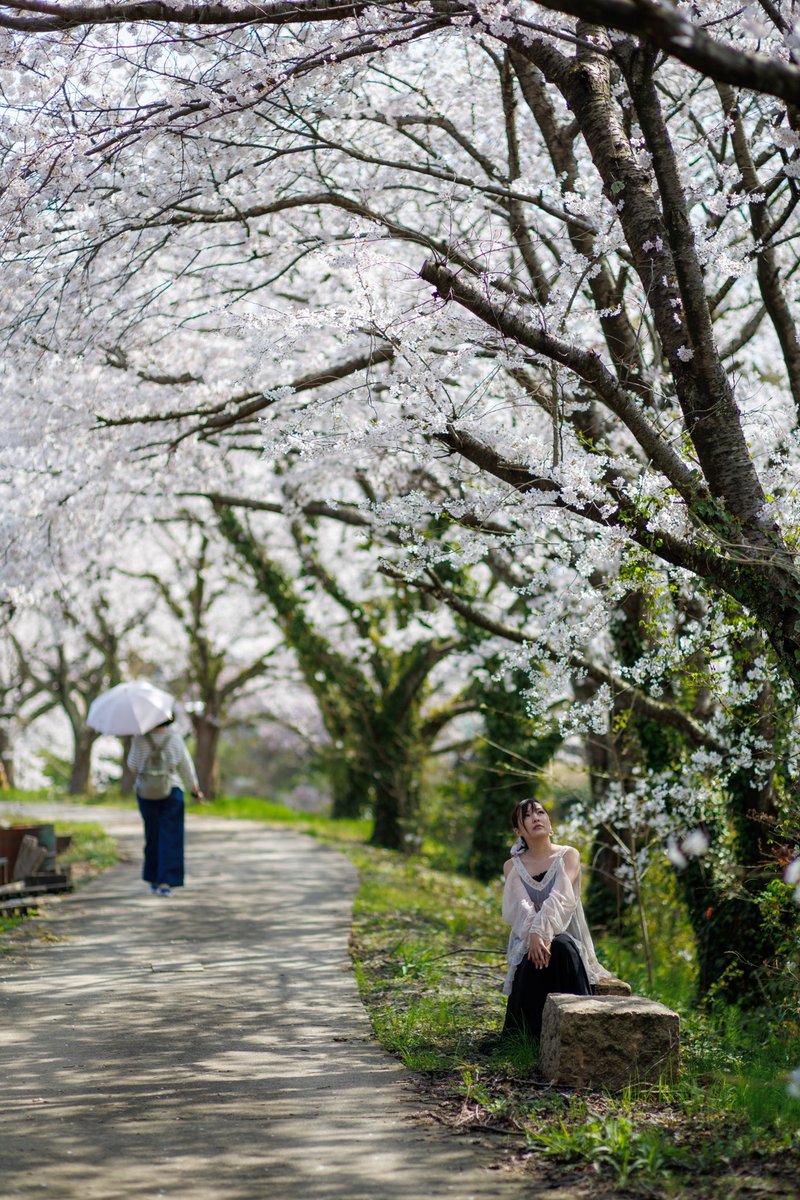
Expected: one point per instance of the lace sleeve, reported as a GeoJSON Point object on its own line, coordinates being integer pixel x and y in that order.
{"type": "Point", "coordinates": [517, 906]}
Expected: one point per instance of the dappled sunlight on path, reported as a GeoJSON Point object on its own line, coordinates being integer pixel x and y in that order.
{"type": "Point", "coordinates": [211, 1044]}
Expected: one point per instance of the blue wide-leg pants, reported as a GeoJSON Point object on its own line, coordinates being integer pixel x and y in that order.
{"type": "Point", "coordinates": [163, 839]}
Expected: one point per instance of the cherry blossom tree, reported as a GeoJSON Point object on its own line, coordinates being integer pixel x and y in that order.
{"type": "Point", "coordinates": [215, 669]}
{"type": "Point", "coordinates": [547, 251]}
{"type": "Point", "coordinates": [369, 665]}
{"type": "Point", "coordinates": [70, 665]}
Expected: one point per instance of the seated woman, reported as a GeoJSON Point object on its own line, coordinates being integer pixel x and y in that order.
{"type": "Point", "coordinates": [550, 948]}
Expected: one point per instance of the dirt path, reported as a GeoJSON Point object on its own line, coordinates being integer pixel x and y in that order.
{"type": "Point", "coordinates": [210, 1046]}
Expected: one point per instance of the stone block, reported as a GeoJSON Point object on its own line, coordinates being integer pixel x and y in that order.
{"type": "Point", "coordinates": [611, 986]}
{"type": "Point", "coordinates": [608, 1041]}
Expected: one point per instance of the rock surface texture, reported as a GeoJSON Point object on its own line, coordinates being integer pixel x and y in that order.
{"type": "Point", "coordinates": [608, 1041]}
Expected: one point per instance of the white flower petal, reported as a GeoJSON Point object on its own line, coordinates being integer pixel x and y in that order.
{"type": "Point", "coordinates": [792, 872]}
{"type": "Point", "coordinates": [674, 854]}
{"type": "Point", "coordinates": [695, 844]}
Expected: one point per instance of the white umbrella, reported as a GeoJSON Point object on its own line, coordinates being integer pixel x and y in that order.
{"type": "Point", "coordinates": [130, 708]}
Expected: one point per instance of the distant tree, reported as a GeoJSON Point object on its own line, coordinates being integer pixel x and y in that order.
{"type": "Point", "coordinates": [80, 659]}
{"type": "Point", "coordinates": [371, 703]}
{"type": "Point", "coordinates": [219, 627]}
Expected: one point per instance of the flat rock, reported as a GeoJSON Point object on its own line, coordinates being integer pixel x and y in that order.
{"type": "Point", "coordinates": [611, 986]}
{"type": "Point", "coordinates": [608, 1041]}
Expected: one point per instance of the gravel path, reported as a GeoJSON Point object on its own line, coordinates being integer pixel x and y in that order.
{"type": "Point", "coordinates": [211, 1045]}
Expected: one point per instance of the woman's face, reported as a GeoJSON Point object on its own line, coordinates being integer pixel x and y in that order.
{"type": "Point", "coordinates": [535, 822]}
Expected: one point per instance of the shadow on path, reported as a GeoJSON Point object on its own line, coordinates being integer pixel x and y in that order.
{"type": "Point", "coordinates": [210, 1045]}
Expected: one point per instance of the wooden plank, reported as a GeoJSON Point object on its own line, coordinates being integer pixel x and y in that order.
{"type": "Point", "coordinates": [48, 879]}
{"type": "Point", "coordinates": [12, 889]}
{"type": "Point", "coordinates": [22, 906]}
{"type": "Point", "coordinates": [30, 858]}
{"type": "Point", "coordinates": [48, 889]}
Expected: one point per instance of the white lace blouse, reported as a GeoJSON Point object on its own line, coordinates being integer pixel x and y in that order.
{"type": "Point", "coordinates": [555, 907]}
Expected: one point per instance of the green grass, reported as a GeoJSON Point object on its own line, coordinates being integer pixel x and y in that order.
{"type": "Point", "coordinates": [91, 846]}
{"type": "Point", "coordinates": [269, 812]}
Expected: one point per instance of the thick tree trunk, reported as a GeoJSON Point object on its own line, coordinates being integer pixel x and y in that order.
{"type": "Point", "coordinates": [6, 760]}
{"type": "Point", "coordinates": [734, 946]}
{"type": "Point", "coordinates": [207, 730]}
{"type": "Point", "coordinates": [80, 775]}
{"type": "Point", "coordinates": [352, 788]}
{"type": "Point", "coordinates": [604, 899]}
{"type": "Point", "coordinates": [395, 775]}
{"type": "Point", "coordinates": [392, 800]}
{"type": "Point", "coordinates": [492, 834]}
{"type": "Point", "coordinates": [501, 785]}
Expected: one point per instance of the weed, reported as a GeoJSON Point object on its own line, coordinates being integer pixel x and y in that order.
{"type": "Point", "coordinates": [516, 1053]}
{"type": "Point", "coordinates": [414, 961]}
{"type": "Point", "coordinates": [613, 1143]}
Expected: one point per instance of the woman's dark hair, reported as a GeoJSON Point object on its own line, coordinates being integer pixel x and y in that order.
{"type": "Point", "coordinates": [519, 813]}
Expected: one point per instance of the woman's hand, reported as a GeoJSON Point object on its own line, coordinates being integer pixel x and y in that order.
{"type": "Point", "coordinates": [539, 950]}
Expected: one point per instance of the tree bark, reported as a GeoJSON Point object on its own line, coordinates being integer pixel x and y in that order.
{"type": "Point", "coordinates": [6, 760]}
{"type": "Point", "coordinates": [127, 779]}
{"type": "Point", "coordinates": [80, 775]}
{"type": "Point", "coordinates": [351, 786]}
{"type": "Point", "coordinates": [207, 731]}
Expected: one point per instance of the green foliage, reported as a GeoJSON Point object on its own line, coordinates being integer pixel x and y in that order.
{"type": "Point", "coordinates": [446, 816]}
{"type": "Point", "coordinates": [516, 1054]}
{"type": "Point", "coordinates": [737, 1063]}
{"type": "Point", "coordinates": [672, 944]}
{"type": "Point", "coordinates": [423, 1033]}
{"type": "Point", "coordinates": [426, 945]}
{"type": "Point", "coordinates": [56, 770]}
{"type": "Point", "coordinates": [779, 917]}
{"type": "Point", "coordinates": [270, 812]}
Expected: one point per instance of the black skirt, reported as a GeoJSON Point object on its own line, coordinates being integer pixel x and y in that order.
{"type": "Point", "coordinates": [532, 985]}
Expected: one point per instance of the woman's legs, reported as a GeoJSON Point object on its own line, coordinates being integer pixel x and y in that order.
{"type": "Point", "coordinates": [532, 985]}
{"type": "Point", "coordinates": [170, 840]}
{"type": "Point", "coordinates": [163, 839]}
{"type": "Point", "coordinates": [149, 810]}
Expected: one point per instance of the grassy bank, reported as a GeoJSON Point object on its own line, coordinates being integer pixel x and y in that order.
{"type": "Point", "coordinates": [428, 952]}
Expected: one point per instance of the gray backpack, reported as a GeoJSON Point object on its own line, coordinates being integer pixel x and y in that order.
{"type": "Point", "coordinates": [154, 781]}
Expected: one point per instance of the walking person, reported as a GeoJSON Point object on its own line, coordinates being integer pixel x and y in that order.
{"type": "Point", "coordinates": [550, 948]}
{"type": "Point", "coordinates": [163, 769]}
